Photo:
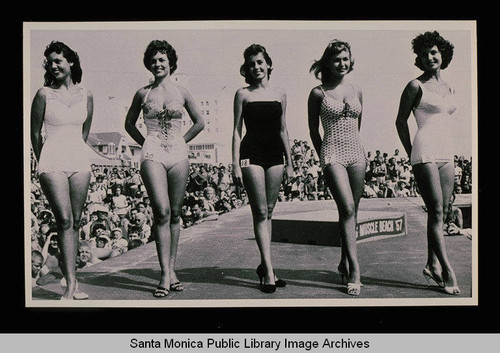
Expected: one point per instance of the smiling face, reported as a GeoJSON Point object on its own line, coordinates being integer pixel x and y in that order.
{"type": "Point", "coordinates": [159, 65]}
{"type": "Point", "coordinates": [58, 66]}
{"type": "Point", "coordinates": [340, 63]}
{"type": "Point", "coordinates": [258, 67]}
{"type": "Point", "coordinates": [431, 58]}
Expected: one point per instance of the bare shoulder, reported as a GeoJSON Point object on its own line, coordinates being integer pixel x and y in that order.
{"type": "Point", "coordinates": [41, 93]}
{"type": "Point", "coordinates": [316, 93]}
{"type": "Point", "coordinates": [242, 94]}
{"type": "Point", "coordinates": [413, 86]}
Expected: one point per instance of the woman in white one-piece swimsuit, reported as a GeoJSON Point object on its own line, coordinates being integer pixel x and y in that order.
{"type": "Point", "coordinates": [431, 100]}
{"type": "Point", "coordinates": [65, 109]}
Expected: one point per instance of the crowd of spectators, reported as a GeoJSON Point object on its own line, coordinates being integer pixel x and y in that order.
{"type": "Point", "coordinates": [118, 217]}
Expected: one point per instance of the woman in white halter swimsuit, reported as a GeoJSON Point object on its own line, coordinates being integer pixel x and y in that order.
{"type": "Point", "coordinates": [65, 109]}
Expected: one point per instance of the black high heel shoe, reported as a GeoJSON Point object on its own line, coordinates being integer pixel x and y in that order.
{"type": "Point", "coordinates": [262, 273]}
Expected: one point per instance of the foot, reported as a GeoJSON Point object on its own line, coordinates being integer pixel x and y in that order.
{"type": "Point", "coordinates": [450, 283]}
{"type": "Point", "coordinates": [177, 287]}
{"type": "Point", "coordinates": [433, 274]}
{"type": "Point", "coordinates": [354, 289]}
{"type": "Point", "coordinates": [160, 292]}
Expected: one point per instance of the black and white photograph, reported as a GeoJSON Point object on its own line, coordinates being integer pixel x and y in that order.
{"type": "Point", "coordinates": [239, 164]}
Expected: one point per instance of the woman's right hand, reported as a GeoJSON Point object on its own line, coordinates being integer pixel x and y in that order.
{"type": "Point", "coordinates": [237, 175]}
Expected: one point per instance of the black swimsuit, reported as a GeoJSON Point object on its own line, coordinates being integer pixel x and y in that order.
{"type": "Point", "coordinates": [262, 144]}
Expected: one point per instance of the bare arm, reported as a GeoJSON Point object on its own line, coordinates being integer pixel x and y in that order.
{"type": "Point", "coordinates": [313, 105]}
{"type": "Point", "coordinates": [132, 116]}
{"type": "Point", "coordinates": [237, 129]}
{"type": "Point", "coordinates": [406, 104]}
{"type": "Point", "coordinates": [285, 139]}
{"type": "Point", "coordinates": [360, 97]}
{"type": "Point", "coordinates": [90, 114]}
{"type": "Point", "coordinates": [37, 116]}
{"type": "Point", "coordinates": [194, 114]}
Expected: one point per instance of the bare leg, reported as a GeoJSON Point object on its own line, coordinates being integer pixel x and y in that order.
{"type": "Point", "coordinates": [254, 179]}
{"type": "Point", "coordinates": [339, 180]}
{"type": "Point", "coordinates": [155, 179]}
{"type": "Point", "coordinates": [274, 177]}
{"type": "Point", "coordinates": [67, 197]}
{"type": "Point", "coordinates": [356, 175]}
{"type": "Point", "coordinates": [177, 181]}
{"type": "Point", "coordinates": [436, 185]}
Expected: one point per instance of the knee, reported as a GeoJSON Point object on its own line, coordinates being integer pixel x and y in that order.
{"type": "Point", "coordinates": [65, 222]}
{"type": "Point", "coordinates": [260, 214]}
{"type": "Point", "coordinates": [162, 217]}
{"type": "Point", "coordinates": [348, 211]}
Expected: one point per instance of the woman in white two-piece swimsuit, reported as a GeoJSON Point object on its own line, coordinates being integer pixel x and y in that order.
{"type": "Point", "coordinates": [65, 109]}
{"type": "Point", "coordinates": [164, 158]}
{"type": "Point", "coordinates": [431, 100]}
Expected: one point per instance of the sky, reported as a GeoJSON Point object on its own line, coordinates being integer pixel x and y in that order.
{"type": "Point", "coordinates": [211, 53]}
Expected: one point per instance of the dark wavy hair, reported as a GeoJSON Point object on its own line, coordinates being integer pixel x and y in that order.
{"type": "Point", "coordinates": [70, 55]}
{"type": "Point", "coordinates": [252, 50]}
{"type": "Point", "coordinates": [161, 46]}
{"type": "Point", "coordinates": [428, 40]}
{"type": "Point", "coordinates": [321, 68]}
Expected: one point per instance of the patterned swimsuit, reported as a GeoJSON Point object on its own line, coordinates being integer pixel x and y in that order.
{"type": "Point", "coordinates": [164, 141]}
{"type": "Point", "coordinates": [341, 142]}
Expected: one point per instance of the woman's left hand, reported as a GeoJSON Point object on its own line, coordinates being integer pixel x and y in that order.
{"type": "Point", "coordinates": [288, 173]}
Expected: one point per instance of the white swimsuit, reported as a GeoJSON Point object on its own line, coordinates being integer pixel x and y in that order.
{"type": "Point", "coordinates": [64, 149]}
{"type": "Point", "coordinates": [433, 141]}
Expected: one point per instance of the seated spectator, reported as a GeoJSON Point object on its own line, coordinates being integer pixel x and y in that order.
{"type": "Point", "coordinates": [134, 243]}
{"type": "Point", "coordinates": [310, 188]}
{"type": "Point", "coordinates": [371, 189]}
{"type": "Point", "coordinates": [454, 215]}
{"type": "Point", "coordinates": [102, 248]}
{"type": "Point", "coordinates": [234, 201]}
{"type": "Point", "coordinates": [402, 189]}
{"type": "Point", "coordinates": [51, 253]}
{"type": "Point", "coordinates": [223, 205]}
{"type": "Point", "coordinates": [140, 230]}
{"type": "Point", "coordinates": [119, 244]}
{"type": "Point", "coordinates": [85, 230]}
{"type": "Point", "coordinates": [102, 219]}
{"type": "Point", "coordinates": [36, 266]}
{"type": "Point", "coordinates": [390, 187]}
{"type": "Point", "coordinates": [201, 215]}
{"type": "Point", "coordinates": [85, 256]}
{"type": "Point", "coordinates": [209, 199]}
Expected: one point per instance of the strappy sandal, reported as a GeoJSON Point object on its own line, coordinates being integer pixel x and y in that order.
{"type": "Point", "coordinates": [177, 287]}
{"type": "Point", "coordinates": [354, 289]}
{"type": "Point", "coordinates": [430, 275]}
{"type": "Point", "coordinates": [160, 292]}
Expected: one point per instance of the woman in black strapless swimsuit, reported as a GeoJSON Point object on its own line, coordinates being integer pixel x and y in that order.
{"type": "Point", "coordinates": [258, 159]}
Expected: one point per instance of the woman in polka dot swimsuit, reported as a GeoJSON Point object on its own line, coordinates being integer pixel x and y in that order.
{"type": "Point", "coordinates": [338, 105]}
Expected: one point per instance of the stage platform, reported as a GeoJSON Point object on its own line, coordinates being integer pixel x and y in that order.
{"type": "Point", "coordinates": [216, 263]}
{"type": "Point", "coordinates": [322, 227]}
